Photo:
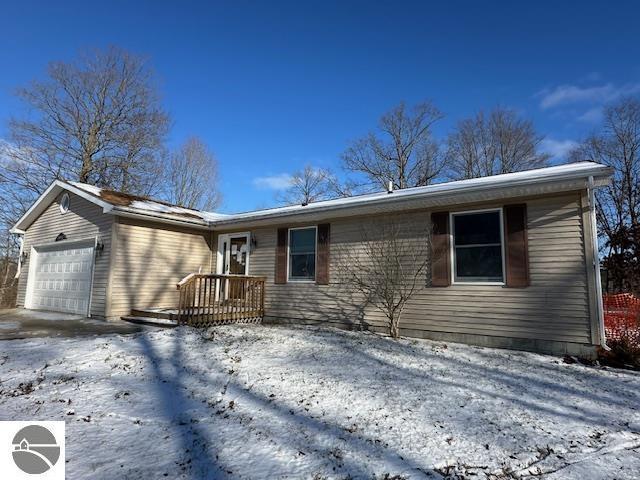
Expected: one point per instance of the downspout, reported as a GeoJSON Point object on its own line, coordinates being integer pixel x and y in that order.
{"type": "Point", "coordinates": [20, 257]}
{"type": "Point", "coordinates": [596, 261]}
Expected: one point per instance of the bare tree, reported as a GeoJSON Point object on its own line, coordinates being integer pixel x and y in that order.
{"type": "Point", "coordinates": [8, 266]}
{"type": "Point", "coordinates": [617, 144]}
{"type": "Point", "coordinates": [390, 268]}
{"type": "Point", "coordinates": [192, 176]}
{"type": "Point", "coordinates": [95, 120]}
{"type": "Point", "coordinates": [402, 150]}
{"type": "Point", "coordinates": [500, 142]}
{"type": "Point", "coordinates": [309, 185]}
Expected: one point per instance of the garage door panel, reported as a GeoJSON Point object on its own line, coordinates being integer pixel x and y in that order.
{"type": "Point", "coordinates": [63, 279]}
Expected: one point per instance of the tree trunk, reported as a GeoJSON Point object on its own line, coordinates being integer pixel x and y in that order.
{"type": "Point", "coordinates": [394, 327]}
{"type": "Point", "coordinates": [85, 171]}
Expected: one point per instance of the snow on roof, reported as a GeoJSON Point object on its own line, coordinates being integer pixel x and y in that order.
{"type": "Point", "coordinates": [560, 172]}
{"type": "Point", "coordinates": [155, 206]}
{"type": "Point", "coordinates": [126, 204]}
{"type": "Point", "coordinates": [144, 204]}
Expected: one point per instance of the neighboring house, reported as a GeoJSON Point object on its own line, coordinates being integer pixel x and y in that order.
{"type": "Point", "coordinates": [513, 258]}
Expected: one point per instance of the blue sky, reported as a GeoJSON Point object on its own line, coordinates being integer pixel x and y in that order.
{"type": "Point", "coordinates": [271, 86]}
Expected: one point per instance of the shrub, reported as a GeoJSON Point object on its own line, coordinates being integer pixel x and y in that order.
{"type": "Point", "coordinates": [623, 353]}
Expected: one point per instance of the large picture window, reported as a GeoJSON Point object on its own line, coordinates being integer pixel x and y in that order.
{"type": "Point", "coordinates": [302, 254]}
{"type": "Point", "coordinates": [477, 247]}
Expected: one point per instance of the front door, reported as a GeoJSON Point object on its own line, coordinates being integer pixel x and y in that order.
{"type": "Point", "coordinates": [233, 259]}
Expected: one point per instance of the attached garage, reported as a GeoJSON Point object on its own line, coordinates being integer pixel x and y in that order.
{"type": "Point", "coordinates": [61, 276]}
{"type": "Point", "coordinates": [100, 253]}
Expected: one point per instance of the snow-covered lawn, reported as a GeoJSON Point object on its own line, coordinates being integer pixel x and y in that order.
{"type": "Point", "coordinates": [278, 402]}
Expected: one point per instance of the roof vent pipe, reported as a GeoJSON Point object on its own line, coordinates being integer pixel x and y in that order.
{"type": "Point", "coordinates": [390, 186]}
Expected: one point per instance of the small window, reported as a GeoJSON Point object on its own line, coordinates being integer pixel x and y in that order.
{"type": "Point", "coordinates": [477, 247]}
{"type": "Point", "coordinates": [65, 201]}
{"type": "Point", "coordinates": [302, 253]}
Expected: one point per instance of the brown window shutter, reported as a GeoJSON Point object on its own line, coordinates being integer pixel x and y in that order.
{"type": "Point", "coordinates": [281, 256]}
{"type": "Point", "coordinates": [440, 254]}
{"type": "Point", "coordinates": [516, 245]}
{"type": "Point", "coordinates": [322, 258]}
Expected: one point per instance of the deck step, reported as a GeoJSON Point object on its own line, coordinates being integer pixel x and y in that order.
{"type": "Point", "coordinates": [158, 322]}
{"type": "Point", "coordinates": [161, 313]}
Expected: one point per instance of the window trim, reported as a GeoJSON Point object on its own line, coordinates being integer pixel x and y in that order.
{"type": "Point", "coordinates": [452, 247]}
{"type": "Point", "coordinates": [66, 198]}
{"type": "Point", "coordinates": [315, 244]}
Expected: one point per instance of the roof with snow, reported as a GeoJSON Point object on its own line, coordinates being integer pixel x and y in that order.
{"type": "Point", "coordinates": [118, 203]}
{"type": "Point", "coordinates": [548, 180]}
{"type": "Point", "coordinates": [145, 204]}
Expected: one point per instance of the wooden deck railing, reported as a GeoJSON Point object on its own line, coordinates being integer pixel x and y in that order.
{"type": "Point", "coordinates": [210, 299]}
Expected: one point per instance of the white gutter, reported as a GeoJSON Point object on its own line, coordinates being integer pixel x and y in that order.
{"type": "Point", "coordinates": [400, 196]}
{"type": "Point", "coordinates": [596, 260]}
{"type": "Point", "coordinates": [540, 177]}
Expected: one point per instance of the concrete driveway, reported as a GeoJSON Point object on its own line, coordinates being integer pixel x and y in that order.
{"type": "Point", "coordinates": [19, 323]}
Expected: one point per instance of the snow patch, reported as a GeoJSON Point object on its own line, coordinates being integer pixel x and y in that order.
{"type": "Point", "coordinates": [92, 189]}
{"type": "Point", "coordinates": [252, 401]}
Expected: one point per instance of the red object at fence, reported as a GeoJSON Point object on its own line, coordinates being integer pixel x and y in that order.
{"type": "Point", "coordinates": [622, 317]}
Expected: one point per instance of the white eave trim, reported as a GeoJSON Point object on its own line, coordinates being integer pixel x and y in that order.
{"type": "Point", "coordinates": [578, 173]}
{"type": "Point", "coordinates": [160, 217]}
{"type": "Point", "coordinates": [600, 173]}
{"type": "Point", "coordinates": [47, 197]}
{"type": "Point", "coordinates": [58, 186]}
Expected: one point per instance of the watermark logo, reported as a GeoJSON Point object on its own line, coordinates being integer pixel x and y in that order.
{"type": "Point", "coordinates": [32, 450]}
{"type": "Point", "coordinates": [35, 449]}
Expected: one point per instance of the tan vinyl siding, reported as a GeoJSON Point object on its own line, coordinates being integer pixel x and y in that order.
{"type": "Point", "coordinates": [83, 220]}
{"type": "Point", "coordinates": [150, 260]}
{"type": "Point", "coordinates": [554, 307]}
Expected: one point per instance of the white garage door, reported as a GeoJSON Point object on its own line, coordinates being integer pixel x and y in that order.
{"type": "Point", "coordinates": [62, 278]}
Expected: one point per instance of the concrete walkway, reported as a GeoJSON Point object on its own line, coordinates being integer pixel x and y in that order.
{"type": "Point", "coordinates": [19, 323]}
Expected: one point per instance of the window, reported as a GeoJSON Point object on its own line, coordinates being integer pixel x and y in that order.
{"type": "Point", "coordinates": [302, 253]}
{"type": "Point", "coordinates": [477, 247]}
{"type": "Point", "coordinates": [64, 203]}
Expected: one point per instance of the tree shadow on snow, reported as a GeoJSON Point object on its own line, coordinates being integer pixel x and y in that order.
{"type": "Point", "coordinates": [532, 390]}
{"type": "Point", "coordinates": [318, 433]}
{"type": "Point", "coordinates": [198, 450]}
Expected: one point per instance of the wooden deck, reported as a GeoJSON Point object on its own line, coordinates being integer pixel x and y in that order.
{"type": "Point", "coordinates": [231, 312]}
{"type": "Point", "coordinates": [210, 299]}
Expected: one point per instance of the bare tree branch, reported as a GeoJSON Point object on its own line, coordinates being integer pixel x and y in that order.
{"type": "Point", "coordinates": [96, 120]}
{"type": "Point", "coordinates": [618, 205]}
{"type": "Point", "coordinates": [309, 185]}
{"type": "Point", "coordinates": [402, 151]}
{"type": "Point", "coordinates": [500, 142]}
{"type": "Point", "coordinates": [390, 265]}
{"type": "Point", "coordinates": [192, 177]}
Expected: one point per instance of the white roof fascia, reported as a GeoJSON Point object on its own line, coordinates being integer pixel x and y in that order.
{"type": "Point", "coordinates": [16, 228]}
{"type": "Point", "coordinates": [58, 186]}
{"type": "Point", "coordinates": [543, 178]}
{"type": "Point", "coordinates": [47, 197]}
{"type": "Point", "coordinates": [533, 177]}
{"type": "Point", "coordinates": [158, 216]}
